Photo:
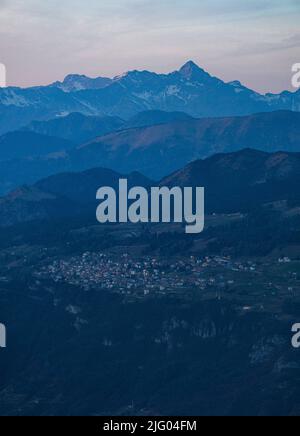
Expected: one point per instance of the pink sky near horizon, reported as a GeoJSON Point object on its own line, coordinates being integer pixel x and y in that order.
{"type": "Point", "coordinates": [254, 41]}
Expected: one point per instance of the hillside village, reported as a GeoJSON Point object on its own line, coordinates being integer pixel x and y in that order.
{"type": "Point", "coordinates": [211, 276]}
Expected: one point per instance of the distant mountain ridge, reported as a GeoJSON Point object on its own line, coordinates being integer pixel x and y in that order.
{"type": "Point", "coordinates": [20, 145]}
{"type": "Point", "coordinates": [233, 182]}
{"type": "Point", "coordinates": [162, 149]}
{"type": "Point", "coordinates": [81, 128]}
{"type": "Point", "coordinates": [76, 127]}
{"type": "Point", "coordinates": [190, 89]}
{"type": "Point", "coordinates": [77, 82]}
{"type": "Point", "coordinates": [159, 150]}
{"type": "Point", "coordinates": [61, 195]}
{"type": "Point", "coordinates": [242, 180]}
{"type": "Point", "coordinates": [153, 118]}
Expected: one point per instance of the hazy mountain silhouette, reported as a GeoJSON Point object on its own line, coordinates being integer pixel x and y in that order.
{"type": "Point", "coordinates": [76, 127]}
{"type": "Point", "coordinates": [158, 150]}
{"type": "Point", "coordinates": [190, 89]}
{"type": "Point", "coordinates": [18, 145]}
{"type": "Point", "coordinates": [80, 128]}
{"type": "Point", "coordinates": [234, 182]}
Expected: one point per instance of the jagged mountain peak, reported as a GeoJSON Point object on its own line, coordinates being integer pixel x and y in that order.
{"type": "Point", "coordinates": [191, 65]}
{"type": "Point", "coordinates": [78, 82]}
{"type": "Point", "coordinates": [190, 89]}
{"type": "Point", "coordinates": [71, 77]}
{"type": "Point", "coordinates": [135, 75]}
{"type": "Point", "coordinates": [190, 69]}
{"type": "Point", "coordinates": [236, 83]}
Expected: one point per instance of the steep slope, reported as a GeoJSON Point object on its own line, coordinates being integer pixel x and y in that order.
{"type": "Point", "coordinates": [76, 127]}
{"type": "Point", "coordinates": [234, 182]}
{"type": "Point", "coordinates": [159, 150]}
{"type": "Point", "coordinates": [80, 128]}
{"type": "Point", "coordinates": [243, 180]}
{"type": "Point", "coordinates": [77, 82]}
{"type": "Point", "coordinates": [62, 195]}
{"type": "Point", "coordinates": [18, 145]}
{"type": "Point", "coordinates": [152, 118]}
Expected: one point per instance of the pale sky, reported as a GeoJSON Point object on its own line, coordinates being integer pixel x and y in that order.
{"type": "Point", "coordinates": [254, 41]}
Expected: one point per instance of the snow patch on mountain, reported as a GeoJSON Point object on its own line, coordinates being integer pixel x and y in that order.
{"type": "Point", "coordinates": [191, 90]}
{"type": "Point", "coordinates": [9, 97]}
{"type": "Point", "coordinates": [172, 90]}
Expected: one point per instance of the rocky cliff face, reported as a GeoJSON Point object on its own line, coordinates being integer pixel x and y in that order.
{"type": "Point", "coordinates": [213, 358]}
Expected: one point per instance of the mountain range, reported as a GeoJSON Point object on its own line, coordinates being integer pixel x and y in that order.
{"type": "Point", "coordinates": [234, 182]}
{"type": "Point", "coordinates": [158, 150]}
{"type": "Point", "coordinates": [242, 181]}
{"type": "Point", "coordinates": [79, 82]}
{"type": "Point", "coordinates": [80, 128]}
{"type": "Point", "coordinates": [76, 127]}
{"type": "Point", "coordinates": [61, 195]}
{"type": "Point", "coordinates": [190, 89]}
{"type": "Point", "coordinates": [155, 150]}
{"type": "Point", "coordinates": [22, 145]}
